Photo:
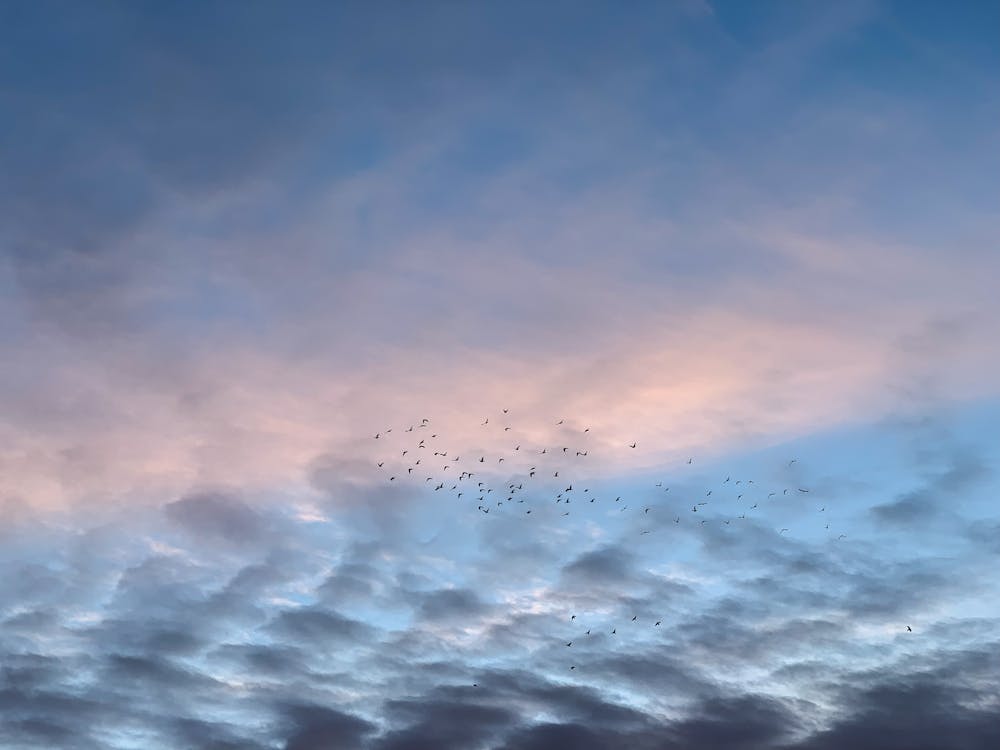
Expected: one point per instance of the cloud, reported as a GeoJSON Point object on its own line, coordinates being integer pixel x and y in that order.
{"type": "Point", "coordinates": [217, 516]}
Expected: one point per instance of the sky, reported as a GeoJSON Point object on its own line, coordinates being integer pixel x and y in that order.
{"type": "Point", "coordinates": [687, 309]}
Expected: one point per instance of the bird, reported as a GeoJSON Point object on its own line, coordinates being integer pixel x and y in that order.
{"type": "Point", "coordinates": [572, 617]}
{"type": "Point", "coordinates": [632, 445]}
{"type": "Point", "coordinates": [909, 629]}
{"type": "Point", "coordinates": [633, 617]}
{"type": "Point", "coordinates": [569, 644]}
{"type": "Point", "coordinates": [487, 421]}
{"type": "Point", "coordinates": [380, 464]}
{"type": "Point", "coordinates": [783, 531]}
{"type": "Point", "coordinates": [794, 460]}
{"type": "Point", "coordinates": [802, 490]}
{"type": "Point", "coordinates": [657, 623]}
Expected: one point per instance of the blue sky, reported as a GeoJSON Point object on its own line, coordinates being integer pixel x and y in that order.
{"type": "Point", "coordinates": [238, 240]}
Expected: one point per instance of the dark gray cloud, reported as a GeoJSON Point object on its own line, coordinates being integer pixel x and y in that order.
{"type": "Point", "coordinates": [217, 516]}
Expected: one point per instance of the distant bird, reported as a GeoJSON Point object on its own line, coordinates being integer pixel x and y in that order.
{"type": "Point", "coordinates": [573, 617]}
{"type": "Point", "coordinates": [487, 421]}
{"type": "Point", "coordinates": [633, 617]}
{"type": "Point", "coordinates": [391, 478]}
{"type": "Point", "coordinates": [560, 421]}
{"type": "Point", "coordinates": [613, 631]}
{"type": "Point", "coordinates": [632, 445]}
{"type": "Point", "coordinates": [794, 460]}
{"type": "Point", "coordinates": [380, 464]}
{"type": "Point", "coordinates": [378, 435]}
{"type": "Point", "coordinates": [783, 531]}
{"type": "Point", "coordinates": [802, 490]}
{"type": "Point", "coordinates": [505, 411]}
{"type": "Point", "coordinates": [909, 629]}
{"type": "Point", "coordinates": [657, 623]}
{"type": "Point", "coordinates": [842, 536]}
{"type": "Point", "coordinates": [573, 667]}
{"type": "Point", "coordinates": [690, 460]}
{"type": "Point", "coordinates": [569, 644]}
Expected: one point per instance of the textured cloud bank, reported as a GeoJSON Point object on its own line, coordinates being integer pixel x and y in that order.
{"type": "Point", "coordinates": [215, 621]}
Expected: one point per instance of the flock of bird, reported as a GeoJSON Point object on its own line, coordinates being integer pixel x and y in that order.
{"type": "Point", "coordinates": [421, 457]}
